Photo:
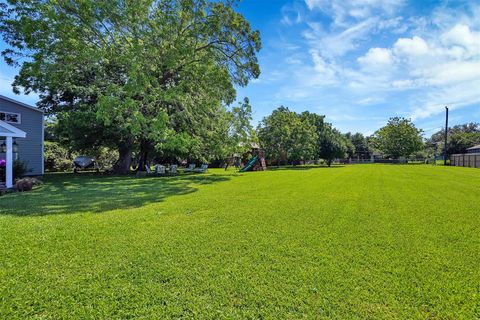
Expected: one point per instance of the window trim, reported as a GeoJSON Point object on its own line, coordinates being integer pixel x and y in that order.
{"type": "Point", "coordinates": [19, 117]}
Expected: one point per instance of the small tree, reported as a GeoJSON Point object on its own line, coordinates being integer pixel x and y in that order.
{"type": "Point", "coordinates": [398, 138]}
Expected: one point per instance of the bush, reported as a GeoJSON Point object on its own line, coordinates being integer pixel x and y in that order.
{"type": "Point", "coordinates": [105, 157]}
{"type": "Point", "coordinates": [57, 157]}
{"type": "Point", "coordinates": [19, 169]}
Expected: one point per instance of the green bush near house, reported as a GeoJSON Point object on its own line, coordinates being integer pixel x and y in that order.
{"type": "Point", "coordinates": [57, 157]}
{"type": "Point", "coordinates": [353, 242]}
{"type": "Point", "coordinates": [19, 169]}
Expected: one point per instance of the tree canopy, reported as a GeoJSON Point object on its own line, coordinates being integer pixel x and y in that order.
{"type": "Point", "coordinates": [152, 76]}
{"type": "Point", "coordinates": [399, 138]}
{"type": "Point", "coordinates": [289, 137]}
{"type": "Point", "coordinates": [285, 137]}
{"type": "Point", "coordinates": [360, 146]}
{"type": "Point", "coordinates": [332, 144]}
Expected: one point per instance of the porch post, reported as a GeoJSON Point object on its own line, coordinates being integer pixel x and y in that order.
{"type": "Point", "coordinates": [9, 164]}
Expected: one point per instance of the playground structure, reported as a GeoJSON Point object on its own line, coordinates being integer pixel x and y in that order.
{"type": "Point", "coordinates": [257, 162]}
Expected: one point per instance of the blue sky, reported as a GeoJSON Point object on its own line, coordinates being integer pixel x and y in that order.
{"type": "Point", "coordinates": [360, 62]}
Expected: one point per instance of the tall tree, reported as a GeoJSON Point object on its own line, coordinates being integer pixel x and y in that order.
{"type": "Point", "coordinates": [137, 75]}
{"type": "Point", "coordinates": [333, 144]}
{"type": "Point", "coordinates": [398, 138]}
{"type": "Point", "coordinates": [330, 144]}
{"type": "Point", "coordinates": [286, 138]}
{"type": "Point", "coordinates": [317, 123]}
{"type": "Point", "coordinates": [240, 132]}
{"type": "Point", "coordinates": [361, 148]}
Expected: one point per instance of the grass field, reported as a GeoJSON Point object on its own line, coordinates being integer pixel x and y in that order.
{"type": "Point", "coordinates": [365, 242]}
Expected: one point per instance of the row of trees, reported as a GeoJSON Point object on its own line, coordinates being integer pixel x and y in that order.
{"type": "Point", "coordinates": [289, 138]}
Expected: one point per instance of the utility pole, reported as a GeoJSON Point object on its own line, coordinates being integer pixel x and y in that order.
{"type": "Point", "coordinates": [446, 135]}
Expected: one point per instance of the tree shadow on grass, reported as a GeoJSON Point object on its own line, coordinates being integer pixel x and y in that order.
{"type": "Point", "coordinates": [68, 193]}
{"type": "Point", "coordinates": [308, 167]}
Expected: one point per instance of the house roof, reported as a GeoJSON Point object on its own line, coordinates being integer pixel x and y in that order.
{"type": "Point", "coordinates": [474, 147]}
{"type": "Point", "coordinates": [21, 104]}
{"type": "Point", "coordinates": [7, 130]}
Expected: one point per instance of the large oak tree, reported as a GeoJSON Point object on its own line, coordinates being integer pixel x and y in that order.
{"type": "Point", "coordinates": [145, 75]}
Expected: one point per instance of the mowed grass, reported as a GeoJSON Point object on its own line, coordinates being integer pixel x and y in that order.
{"type": "Point", "coordinates": [353, 242]}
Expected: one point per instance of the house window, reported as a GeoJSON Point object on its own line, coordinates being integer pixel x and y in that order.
{"type": "Point", "coordinates": [10, 117]}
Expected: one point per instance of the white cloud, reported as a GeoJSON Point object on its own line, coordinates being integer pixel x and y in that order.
{"type": "Point", "coordinates": [6, 90]}
{"type": "Point", "coordinates": [455, 97]}
{"type": "Point", "coordinates": [411, 47]}
{"type": "Point", "coordinates": [408, 83]}
{"type": "Point", "coordinates": [440, 66]}
{"type": "Point", "coordinates": [370, 101]}
{"type": "Point", "coordinates": [326, 71]}
{"type": "Point", "coordinates": [453, 72]}
{"type": "Point", "coordinates": [376, 57]}
{"type": "Point", "coordinates": [461, 36]}
{"type": "Point", "coordinates": [5, 85]}
{"type": "Point", "coordinates": [338, 44]}
{"type": "Point", "coordinates": [291, 14]}
{"type": "Point", "coordinates": [293, 60]}
{"type": "Point", "coordinates": [370, 54]}
{"type": "Point", "coordinates": [344, 10]}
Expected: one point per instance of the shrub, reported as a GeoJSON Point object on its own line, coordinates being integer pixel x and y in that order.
{"type": "Point", "coordinates": [57, 157]}
{"type": "Point", "coordinates": [105, 157]}
{"type": "Point", "coordinates": [19, 169]}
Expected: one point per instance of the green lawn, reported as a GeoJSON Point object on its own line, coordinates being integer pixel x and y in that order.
{"type": "Point", "coordinates": [365, 242]}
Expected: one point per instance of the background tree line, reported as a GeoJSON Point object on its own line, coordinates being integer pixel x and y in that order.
{"type": "Point", "coordinates": [293, 138]}
{"type": "Point", "coordinates": [460, 138]}
{"type": "Point", "coordinates": [289, 137]}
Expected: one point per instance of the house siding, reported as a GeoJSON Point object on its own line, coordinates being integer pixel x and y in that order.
{"type": "Point", "coordinates": [30, 149]}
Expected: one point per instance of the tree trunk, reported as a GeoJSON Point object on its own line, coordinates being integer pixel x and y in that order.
{"type": "Point", "coordinates": [124, 161]}
{"type": "Point", "coordinates": [142, 162]}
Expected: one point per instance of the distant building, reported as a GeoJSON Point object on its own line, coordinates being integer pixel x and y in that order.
{"type": "Point", "coordinates": [474, 149]}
